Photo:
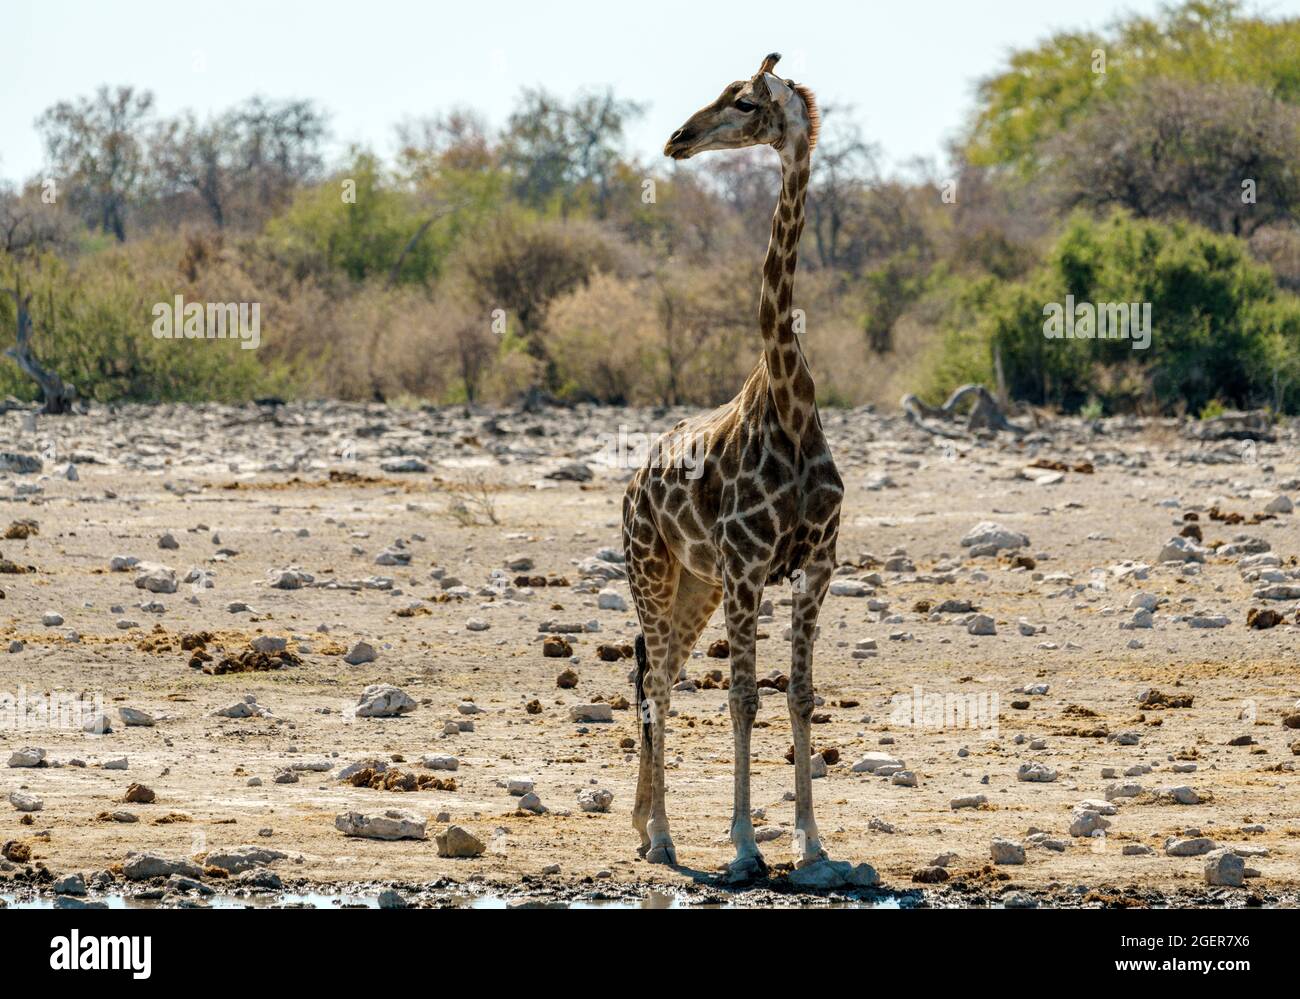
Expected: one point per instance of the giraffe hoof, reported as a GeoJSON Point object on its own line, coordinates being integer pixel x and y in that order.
{"type": "Point", "coordinates": [813, 858]}
{"type": "Point", "coordinates": [745, 869]}
{"type": "Point", "coordinates": [664, 854]}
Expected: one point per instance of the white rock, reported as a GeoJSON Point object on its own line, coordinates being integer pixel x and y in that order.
{"type": "Point", "coordinates": [1182, 549]}
{"type": "Point", "coordinates": [598, 712]}
{"type": "Point", "coordinates": [1181, 794]}
{"type": "Point", "coordinates": [1086, 821]}
{"type": "Point", "coordinates": [595, 799]}
{"type": "Point", "coordinates": [1223, 867]}
{"type": "Point", "coordinates": [97, 724]}
{"type": "Point", "coordinates": [608, 599]}
{"type": "Point", "coordinates": [1192, 846]}
{"type": "Point", "coordinates": [873, 761]}
{"type": "Point", "coordinates": [458, 842]}
{"type": "Point", "coordinates": [1035, 773]}
{"type": "Point", "coordinates": [155, 578]}
{"type": "Point", "coordinates": [361, 653]}
{"type": "Point", "coordinates": [1280, 504]}
{"type": "Point", "coordinates": [440, 761]}
{"type": "Point", "coordinates": [1004, 851]}
{"type": "Point", "coordinates": [383, 700]}
{"type": "Point", "coordinates": [238, 859]}
{"type": "Point", "coordinates": [28, 756]}
{"type": "Point", "coordinates": [989, 535]}
{"type": "Point", "coordinates": [25, 802]}
{"type": "Point", "coordinates": [133, 717]}
{"type": "Point", "coordinates": [530, 802]}
{"type": "Point", "coordinates": [391, 824]}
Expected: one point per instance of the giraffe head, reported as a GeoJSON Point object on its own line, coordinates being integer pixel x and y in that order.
{"type": "Point", "coordinates": [761, 111]}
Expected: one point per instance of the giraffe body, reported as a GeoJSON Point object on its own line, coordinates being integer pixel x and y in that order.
{"type": "Point", "coordinates": [738, 498]}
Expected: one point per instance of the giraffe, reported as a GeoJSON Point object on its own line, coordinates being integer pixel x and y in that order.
{"type": "Point", "coordinates": [737, 498]}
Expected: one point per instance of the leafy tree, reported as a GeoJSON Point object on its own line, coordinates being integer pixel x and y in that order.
{"type": "Point", "coordinates": [359, 225]}
{"type": "Point", "coordinates": [560, 153]}
{"type": "Point", "coordinates": [1045, 89]}
{"type": "Point", "coordinates": [249, 161]}
{"type": "Point", "coordinates": [1222, 155]}
{"type": "Point", "coordinates": [96, 146]}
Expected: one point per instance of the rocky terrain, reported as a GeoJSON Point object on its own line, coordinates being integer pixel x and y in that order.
{"type": "Point", "coordinates": [249, 647]}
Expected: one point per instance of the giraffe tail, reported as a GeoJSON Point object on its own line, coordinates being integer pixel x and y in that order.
{"type": "Point", "coordinates": [642, 665]}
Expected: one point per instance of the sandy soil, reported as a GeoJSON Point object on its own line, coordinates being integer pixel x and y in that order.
{"type": "Point", "coordinates": [261, 477]}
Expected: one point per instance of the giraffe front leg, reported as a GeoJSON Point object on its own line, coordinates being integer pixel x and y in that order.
{"type": "Point", "coordinates": [800, 697]}
{"type": "Point", "coordinates": [741, 602]}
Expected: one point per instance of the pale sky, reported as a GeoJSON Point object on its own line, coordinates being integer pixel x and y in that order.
{"type": "Point", "coordinates": [908, 67]}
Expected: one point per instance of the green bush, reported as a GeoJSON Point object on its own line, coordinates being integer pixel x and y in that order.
{"type": "Point", "coordinates": [1220, 327]}
{"type": "Point", "coordinates": [93, 325]}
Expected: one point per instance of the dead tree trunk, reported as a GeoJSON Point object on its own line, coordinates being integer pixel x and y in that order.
{"type": "Point", "coordinates": [56, 395]}
{"type": "Point", "coordinates": [985, 413]}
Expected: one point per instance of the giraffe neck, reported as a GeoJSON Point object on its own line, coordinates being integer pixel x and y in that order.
{"type": "Point", "coordinates": [790, 383]}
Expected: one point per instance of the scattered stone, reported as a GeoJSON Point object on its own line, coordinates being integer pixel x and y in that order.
{"type": "Point", "coordinates": [1194, 846]}
{"type": "Point", "coordinates": [873, 761]}
{"type": "Point", "coordinates": [383, 700]}
{"type": "Point", "coordinates": [360, 654]}
{"type": "Point", "coordinates": [237, 860]}
{"type": "Point", "coordinates": [458, 842]}
{"type": "Point", "coordinates": [28, 756]}
{"type": "Point", "coordinates": [134, 718]}
{"type": "Point", "coordinates": [70, 884]}
{"type": "Point", "coordinates": [1036, 773]}
{"type": "Point", "coordinates": [1004, 851]}
{"type": "Point", "coordinates": [1086, 822]}
{"type": "Point", "coordinates": [598, 712]}
{"type": "Point", "coordinates": [25, 802]}
{"type": "Point", "coordinates": [1223, 867]}
{"type": "Point", "coordinates": [989, 538]}
{"type": "Point", "coordinates": [829, 875]}
{"type": "Point", "coordinates": [1181, 795]}
{"type": "Point", "coordinates": [388, 825]}
{"type": "Point", "coordinates": [595, 800]}
{"type": "Point", "coordinates": [147, 866]}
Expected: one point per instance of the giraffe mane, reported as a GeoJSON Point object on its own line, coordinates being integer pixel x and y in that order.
{"type": "Point", "coordinates": [814, 114]}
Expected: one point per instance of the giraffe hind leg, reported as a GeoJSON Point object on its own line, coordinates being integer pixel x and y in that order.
{"type": "Point", "coordinates": [653, 575]}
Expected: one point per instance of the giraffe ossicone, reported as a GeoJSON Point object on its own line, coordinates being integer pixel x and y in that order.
{"type": "Point", "coordinates": [762, 506]}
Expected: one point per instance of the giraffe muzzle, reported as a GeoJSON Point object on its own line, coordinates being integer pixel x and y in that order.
{"type": "Point", "coordinates": [679, 145]}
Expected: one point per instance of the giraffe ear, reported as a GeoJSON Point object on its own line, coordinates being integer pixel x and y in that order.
{"type": "Point", "coordinates": [776, 89]}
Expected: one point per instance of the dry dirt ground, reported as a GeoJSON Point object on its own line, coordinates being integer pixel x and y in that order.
{"type": "Point", "coordinates": [304, 486]}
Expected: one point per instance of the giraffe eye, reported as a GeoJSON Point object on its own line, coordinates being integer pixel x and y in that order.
{"type": "Point", "coordinates": [745, 106]}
